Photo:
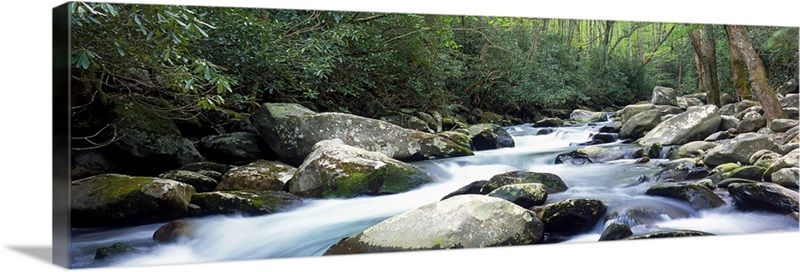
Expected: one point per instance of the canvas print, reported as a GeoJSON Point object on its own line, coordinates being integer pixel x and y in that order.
{"type": "Point", "coordinates": [203, 134]}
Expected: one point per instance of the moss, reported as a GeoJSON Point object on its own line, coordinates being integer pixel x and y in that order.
{"type": "Point", "coordinates": [360, 179]}
{"type": "Point", "coordinates": [111, 187]}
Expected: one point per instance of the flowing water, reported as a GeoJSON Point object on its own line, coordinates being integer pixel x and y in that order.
{"type": "Point", "coordinates": [310, 229]}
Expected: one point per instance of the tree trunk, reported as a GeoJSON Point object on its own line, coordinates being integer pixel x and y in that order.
{"type": "Point", "coordinates": [704, 47]}
{"type": "Point", "coordinates": [758, 78]}
{"type": "Point", "coordinates": [739, 72]}
{"type": "Point", "coordinates": [609, 25]}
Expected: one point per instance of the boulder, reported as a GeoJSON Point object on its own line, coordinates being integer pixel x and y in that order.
{"type": "Point", "coordinates": [694, 124]}
{"type": "Point", "coordinates": [718, 136]}
{"type": "Point", "coordinates": [573, 215]}
{"type": "Point", "coordinates": [685, 103]}
{"type": "Point", "coordinates": [703, 97]}
{"type": "Point", "coordinates": [244, 202]}
{"type": "Point", "coordinates": [200, 182]}
{"type": "Point", "coordinates": [113, 250]}
{"type": "Point", "coordinates": [787, 87]}
{"type": "Point", "coordinates": [407, 121]}
{"type": "Point", "coordinates": [292, 130]}
{"type": "Point", "coordinates": [728, 109]}
{"type": "Point", "coordinates": [261, 175]}
{"type": "Point", "coordinates": [740, 149]}
{"type": "Point", "coordinates": [787, 177]}
{"type": "Point", "coordinates": [629, 111]}
{"type": "Point", "coordinates": [764, 196]}
{"type": "Point", "coordinates": [764, 158]}
{"type": "Point", "coordinates": [473, 188]}
{"type": "Point", "coordinates": [584, 116]}
{"type": "Point", "coordinates": [748, 172]}
{"type": "Point", "coordinates": [664, 96]}
{"type": "Point", "coordinates": [525, 195]}
{"type": "Point", "coordinates": [466, 221]}
{"type": "Point", "coordinates": [597, 154]}
{"type": "Point", "coordinates": [728, 122]}
{"type": "Point", "coordinates": [792, 112]}
{"type": "Point", "coordinates": [433, 126]}
{"type": "Point", "coordinates": [174, 231]}
{"type": "Point", "coordinates": [696, 148]}
{"type": "Point", "coordinates": [437, 118]}
{"type": "Point", "coordinates": [552, 182]}
{"type": "Point", "coordinates": [615, 231]}
{"type": "Point", "coordinates": [751, 122]}
{"type": "Point", "coordinates": [756, 109]}
{"type": "Point", "coordinates": [782, 125]}
{"type": "Point", "coordinates": [789, 100]}
{"type": "Point", "coordinates": [639, 124]}
{"type": "Point", "coordinates": [460, 139]}
{"type": "Point", "coordinates": [667, 110]}
{"type": "Point", "coordinates": [489, 136]}
{"type": "Point", "coordinates": [112, 200]}
{"type": "Point", "coordinates": [549, 122]}
{"type": "Point", "coordinates": [234, 148]}
{"type": "Point", "coordinates": [727, 99]}
{"type": "Point", "coordinates": [728, 181]}
{"type": "Point", "coordinates": [206, 166]}
{"type": "Point", "coordinates": [698, 196]}
{"type": "Point", "coordinates": [335, 170]}
{"type": "Point", "coordinates": [744, 104]}
{"type": "Point", "coordinates": [242, 125]}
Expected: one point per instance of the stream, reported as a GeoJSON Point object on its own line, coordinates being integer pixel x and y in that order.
{"type": "Point", "coordinates": [313, 227]}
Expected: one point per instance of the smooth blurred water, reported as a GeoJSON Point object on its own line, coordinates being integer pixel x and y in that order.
{"type": "Point", "coordinates": [313, 227]}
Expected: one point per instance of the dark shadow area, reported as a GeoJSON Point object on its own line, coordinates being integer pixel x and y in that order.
{"type": "Point", "coordinates": [42, 253]}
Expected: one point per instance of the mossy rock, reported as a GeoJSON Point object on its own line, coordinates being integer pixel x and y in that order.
{"type": "Point", "coordinates": [572, 215]}
{"type": "Point", "coordinates": [261, 175]}
{"type": "Point", "coordinates": [200, 182]}
{"type": "Point", "coordinates": [457, 138]}
{"type": "Point", "coordinates": [244, 202]}
{"type": "Point", "coordinates": [112, 200]}
{"type": "Point", "coordinates": [525, 195]}
{"type": "Point", "coordinates": [697, 195]}
{"type": "Point", "coordinates": [489, 136]}
{"type": "Point", "coordinates": [615, 231]}
{"type": "Point", "coordinates": [335, 170]}
{"type": "Point", "coordinates": [552, 182]}
{"type": "Point", "coordinates": [113, 250]}
{"type": "Point", "coordinates": [206, 166]}
{"type": "Point", "coordinates": [764, 196]}
{"type": "Point", "coordinates": [748, 172]}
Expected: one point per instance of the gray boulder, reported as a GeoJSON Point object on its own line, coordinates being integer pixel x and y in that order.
{"type": "Point", "coordinates": [740, 149]}
{"type": "Point", "coordinates": [765, 196]}
{"type": "Point", "coordinates": [640, 123]}
{"type": "Point", "coordinates": [694, 124]}
{"type": "Point", "coordinates": [615, 231]}
{"type": "Point", "coordinates": [261, 175]}
{"type": "Point", "coordinates": [751, 122]}
{"type": "Point", "coordinates": [334, 170]}
{"type": "Point", "coordinates": [234, 148]}
{"type": "Point", "coordinates": [552, 182]}
{"type": "Point", "coordinates": [458, 138]}
{"type": "Point", "coordinates": [791, 159]}
{"type": "Point", "coordinates": [201, 183]}
{"type": "Point", "coordinates": [292, 130]}
{"type": "Point", "coordinates": [782, 125]}
{"type": "Point", "coordinates": [408, 121]}
{"type": "Point", "coordinates": [629, 111]}
{"type": "Point", "coordinates": [112, 200]}
{"type": "Point", "coordinates": [728, 122]}
{"type": "Point", "coordinates": [686, 102]}
{"type": "Point", "coordinates": [744, 104]}
{"type": "Point", "coordinates": [466, 221]}
{"type": "Point", "coordinates": [664, 96]}
{"type": "Point", "coordinates": [696, 148]}
{"type": "Point", "coordinates": [244, 202]}
{"type": "Point", "coordinates": [549, 122]}
{"type": "Point", "coordinates": [489, 136]}
{"type": "Point", "coordinates": [789, 100]}
{"type": "Point", "coordinates": [525, 195]}
{"type": "Point", "coordinates": [573, 215]}
{"type": "Point", "coordinates": [698, 196]}
{"type": "Point", "coordinates": [584, 116]}
{"type": "Point", "coordinates": [787, 177]}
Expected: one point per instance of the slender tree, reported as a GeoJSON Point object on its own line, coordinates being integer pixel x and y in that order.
{"type": "Point", "coordinates": [758, 78]}
{"type": "Point", "coordinates": [704, 46]}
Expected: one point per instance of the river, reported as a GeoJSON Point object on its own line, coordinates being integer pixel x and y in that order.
{"type": "Point", "coordinates": [312, 228]}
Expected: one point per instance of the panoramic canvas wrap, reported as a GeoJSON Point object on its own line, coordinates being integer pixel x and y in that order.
{"type": "Point", "coordinates": [196, 134]}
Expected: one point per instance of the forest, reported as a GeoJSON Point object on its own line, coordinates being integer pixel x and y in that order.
{"type": "Point", "coordinates": [203, 58]}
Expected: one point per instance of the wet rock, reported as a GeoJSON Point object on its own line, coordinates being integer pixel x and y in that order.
{"type": "Point", "coordinates": [545, 131]}
{"type": "Point", "coordinates": [261, 175]}
{"type": "Point", "coordinates": [698, 196]}
{"type": "Point", "coordinates": [552, 182]}
{"type": "Point", "coordinates": [639, 124]}
{"type": "Point", "coordinates": [787, 177]}
{"type": "Point", "coordinates": [653, 151]}
{"type": "Point", "coordinates": [489, 136]}
{"type": "Point", "coordinates": [728, 181]}
{"type": "Point", "coordinates": [740, 149]}
{"type": "Point", "coordinates": [573, 158]}
{"type": "Point", "coordinates": [525, 195]}
{"type": "Point", "coordinates": [584, 116]}
{"type": "Point", "coordinates": [694, 124]}
{"type": "Point", "coordinates": [466, 221]}
{"type": "Point", "coordinates": [334, 170]}
{"type": "Point", "coordinates": [764, 196]}
{"type": "Point", "coordinates": [114, 250]}
{"type": "Point", "coordinates": [615, 231]}
{"type": "Point", "coordinates": [748, 172]}
{"type": "Point", "coordinates": [473, 188]}
{"type": "Point", "coordinates": [112, 200]}
{"type": "Point", "coordinates": [174, 231]}
{"type": "Point", "coordinates": [244, 202]}
{"type": "Point", "coordinates": [670, 234]}
{"type": "Point", "coordinates": [604, 138]}
{"type": "Point", "coordinates": [458, 138]}
{"type": "Point", "coordinates": [200, 182]}
{"type": "Point", "coordinates": [573, 215]}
